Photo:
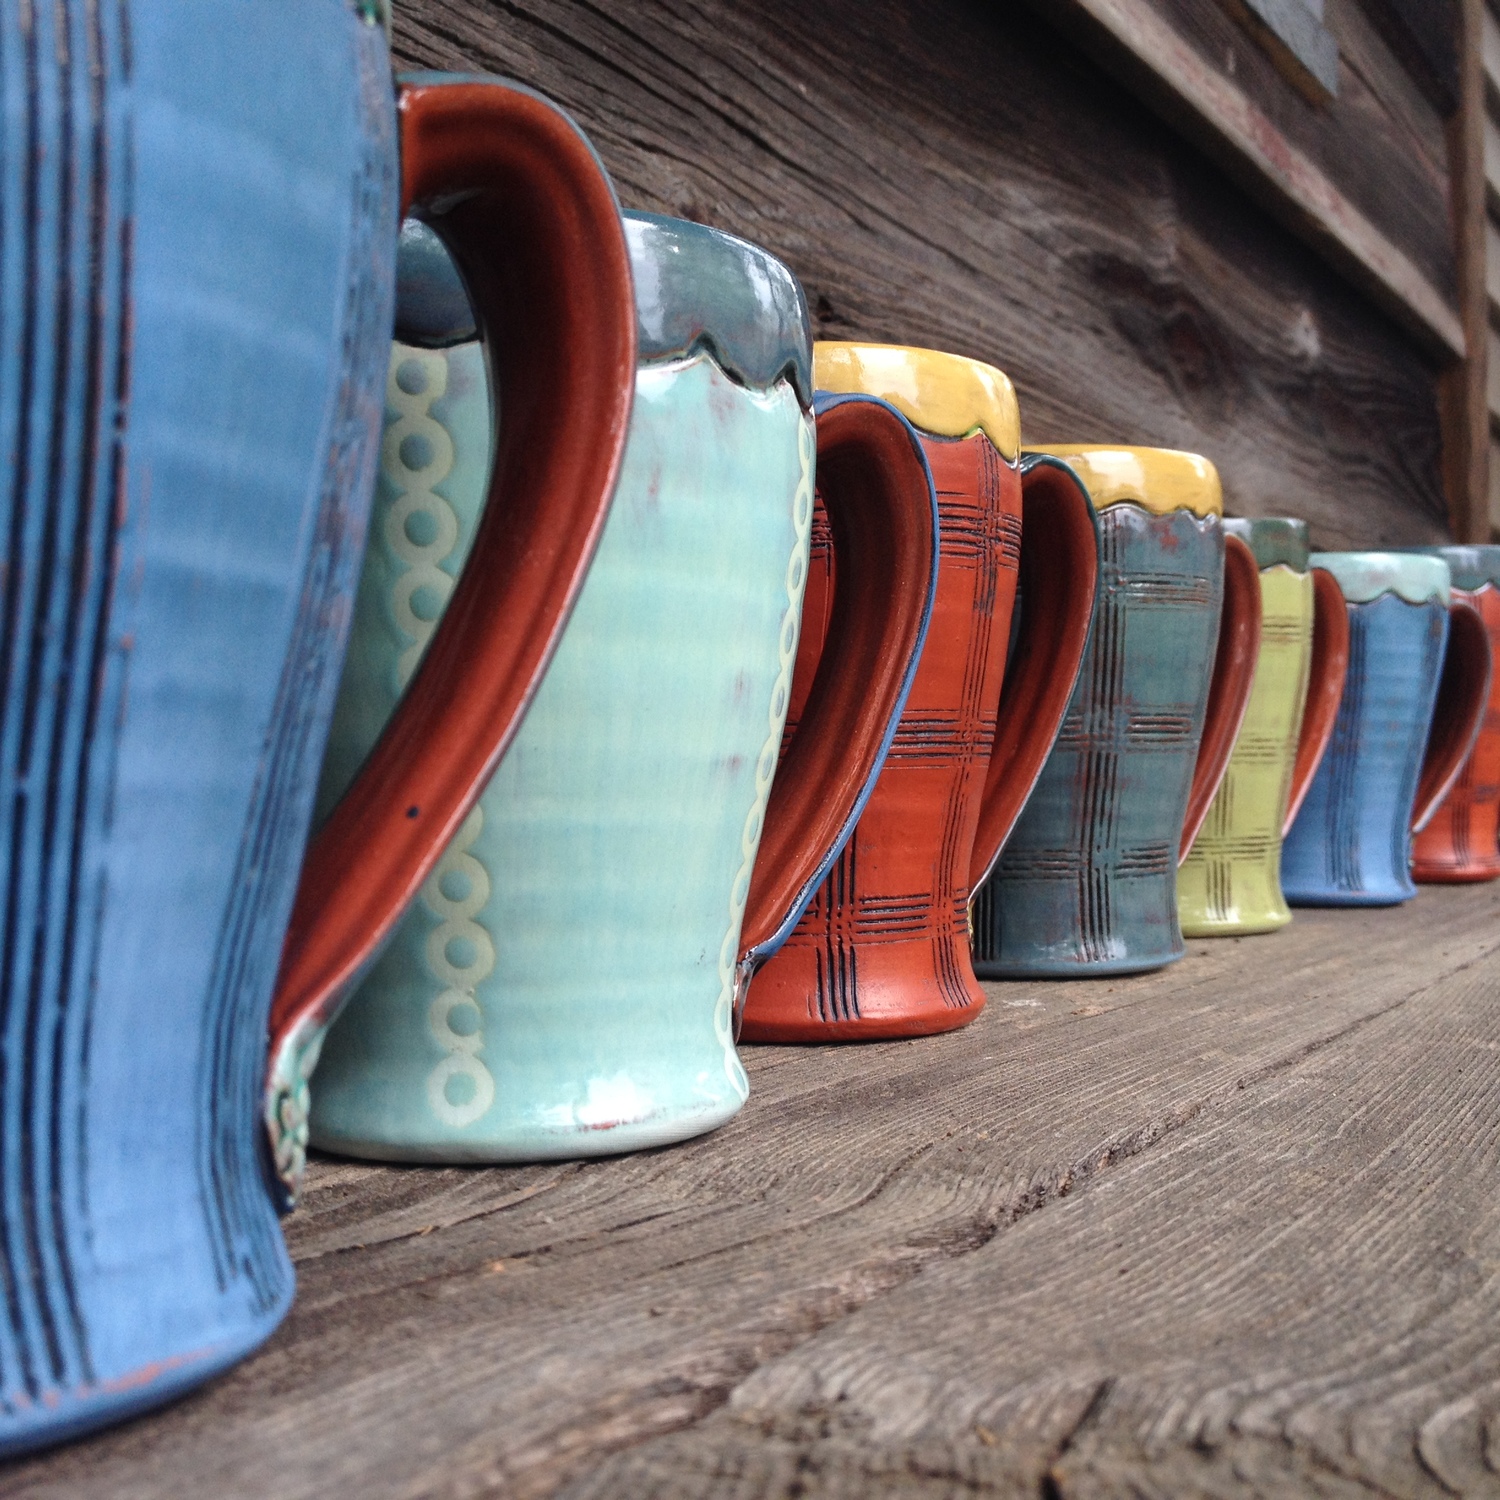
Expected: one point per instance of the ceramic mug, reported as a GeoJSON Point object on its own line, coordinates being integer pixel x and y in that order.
{"type": "Point", "coordinates": [566, 985]}
{"type": "Point", "coordinates": [883, 950]}
{"type": "Point", "coordinates": [204, 263]}
{"type": "Point", "coordinates": [1418, 683]}
{"type": "Point", "coordinates": [1087, 884]}
{"type": "Point", "coordinates": [1230, 883]}
{"type": "Point", "coordinates": [1459, 842]}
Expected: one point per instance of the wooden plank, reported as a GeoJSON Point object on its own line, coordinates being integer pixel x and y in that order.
{"type": "Point", "coordinates": [1195, 95]}
{"type": "Point", "coordinates": [1492, 265]}
{"type": "Point", "coordinates": [951, 175]}
{"type": "Point", "coordinates": [1466, 446]}
{"type": "Point", "coordinates": [1490, 52]}
{"type": "Point", "coordinates": [1381, 142]}
{"type": "Point", "coordinates": [1492, 383]}
{"type": "Point", "coordinates": [505, 1331]}
{"type": "Point", "coordinates": [1424, 34]}
{"type": "Point", "coordinates": [1296, 41]}
{"type": "Point", "coordinates": [1494, 505]}
{"type": "Point", "coordinates": [1295, 1294]}
{"type": "Point", "coordinates": [1492, 163]}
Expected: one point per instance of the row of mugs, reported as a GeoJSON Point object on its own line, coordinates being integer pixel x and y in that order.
{"type": "Point", "coordinates": [715, 690]}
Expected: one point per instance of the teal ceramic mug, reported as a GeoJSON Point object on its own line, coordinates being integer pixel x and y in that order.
{"type": "Point", "coordinates": [566, 984]}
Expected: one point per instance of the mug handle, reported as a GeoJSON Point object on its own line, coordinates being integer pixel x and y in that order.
{"type": "Point", "coordinates": [1229, 691]}
{"type": "Point", "coordinates": [1059, 587]}
{"type": "Point", "coordinates": [518, 195]}
{"type": "Point", "coordinates": [1462, 696]}
{"type": "Point", "coordinates": [877, 490]}
{"type": "Point", "coordinates": [1325, 687]}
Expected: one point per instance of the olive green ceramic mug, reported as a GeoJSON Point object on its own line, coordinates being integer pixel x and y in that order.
{"type": "Point", "coordinates": [1230, 883]}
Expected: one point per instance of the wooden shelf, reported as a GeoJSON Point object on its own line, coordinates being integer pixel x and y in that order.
{"type": "Point", "coordinates": [1228, 1229]}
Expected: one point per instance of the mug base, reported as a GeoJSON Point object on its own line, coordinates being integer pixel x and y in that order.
{"type": "Point", "coordinates": [1239, 927]}
{"type": "Point", "coordinates": [881, 991]}
{"type": "Point", "coordinates": [1109, 968]}
{"type": "Point", "coordinates": [77, 1413]}
{"type": "Point", "coordinates": [521, 1144]}
{"type": "Point", "coordinates": [1425, 874]}
{"type": "Point", "coordinates": [875, 1028]}
{"type": "Point", "coordinates": [1349, 898]}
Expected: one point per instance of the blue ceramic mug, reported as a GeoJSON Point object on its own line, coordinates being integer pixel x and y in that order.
{"type": "Point", "coordinates": [1414, 700]}
{"type": "Point", "coordinates": [566, 984]}
{"type": "Point", "coordinates": [197, 242]}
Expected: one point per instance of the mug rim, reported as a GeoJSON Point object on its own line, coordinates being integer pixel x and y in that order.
{"type": "Point", "coordinates": [1416, 577]}
{"type": "Point", "coordinates": [1275, 540]}
{"type": "Point", "coordinates": [1472, 564]}
{"type": "Point", "coordinates": [1161, 480]}
{"type": "Point", "coordinates": [940, 394]}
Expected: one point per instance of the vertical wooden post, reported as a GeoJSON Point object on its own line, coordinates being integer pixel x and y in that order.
{"type": "Point", "coordinates": [1465, 406]}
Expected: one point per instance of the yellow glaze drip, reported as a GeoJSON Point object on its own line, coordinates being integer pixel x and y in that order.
{"type": "Point", "coordinates": [1160, 479]}
{"type": "Point", "coordinates": [943, 394]}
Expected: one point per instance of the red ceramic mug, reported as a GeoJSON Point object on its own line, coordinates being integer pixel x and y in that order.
{"type": "Point", "coordinates": [1458, 841]}
{"type": "Point", "coordinates": [883, 949]}
{"type": "Point", "coordinates": [517, 194]}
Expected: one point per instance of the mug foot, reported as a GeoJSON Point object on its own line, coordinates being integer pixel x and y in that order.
{"type": "Point", "coordinates": [1075, 969]}
{"type": "Point", "coordinates": [67, 1415]}
{"type": "Point", "coordinates": [526, 1141]}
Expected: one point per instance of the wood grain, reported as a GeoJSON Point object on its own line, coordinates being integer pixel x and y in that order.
{"type": "Point", "coordinates": [1295, 1294]}
{"type": "Point", "coordinates": [505, 1331]}
{"type": "Point", "coordinates": [954, 174]}
{"type": "Point", "coordinates": [1358, 178]}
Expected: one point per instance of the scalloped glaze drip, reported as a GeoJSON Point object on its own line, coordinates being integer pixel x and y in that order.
{"type": "Point", "coordinates": [1471, 567]}
{"type": "Point", "coordinates": [696, 290]}
{"type": "Point", "coordinates": [701, 289]}
{"type": "Point", "coordinates": [1160, 480]}
{"type": "Point", "coordinates": [946, 395]}
{"type": "Point", "coordinates": [1276, 541]}
{"type": "Point", "coordinates": [1363, 576]}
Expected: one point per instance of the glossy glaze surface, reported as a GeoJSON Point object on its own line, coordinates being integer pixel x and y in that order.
{"type": "Point", "coordinates": [1088, 880]}
{"type": "Point", "coordinates": [1351, 842]}
{"type": "Point", "coordinates": [885, 939]}
{"type": "Point", "coordinates": [190, 430]}
{"type": "Point", "coordinates": [1460, 843]}
{"type": "Point", "coordinates": [560, 988]}
{"type": "Point", "coordinates": [565, 985]}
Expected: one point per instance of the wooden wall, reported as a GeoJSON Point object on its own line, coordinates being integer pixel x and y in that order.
{"type": "Point", "coordinates": [960, 174]}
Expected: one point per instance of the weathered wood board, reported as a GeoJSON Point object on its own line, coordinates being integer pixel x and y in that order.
{"type": "Point", "coordinates": [1229, 1229]}
{"type": "Point", "coordinates": [1380, 141]}
{"type": "Point", "coordinates": [956, 173]}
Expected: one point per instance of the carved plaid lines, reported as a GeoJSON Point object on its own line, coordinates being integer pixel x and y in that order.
{"type": "Point", "coordinates": [1089, 874]}
{"type": "Point", "coordinates": [876, 896]}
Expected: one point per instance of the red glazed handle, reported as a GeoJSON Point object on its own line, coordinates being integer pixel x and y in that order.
{"type": "Point", "coordinates": [877, 491]}
{"type": "Point", "coordinates": [1463, 694]}
{"type": "Point", "coordinates": [1229, 692]}
{"type": "Point", "coordinates": [1059, 584]}
{"type": "Point", "coordinates": [516, 193]}
{"type": "Point", "coordinates": [1325, 687]}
